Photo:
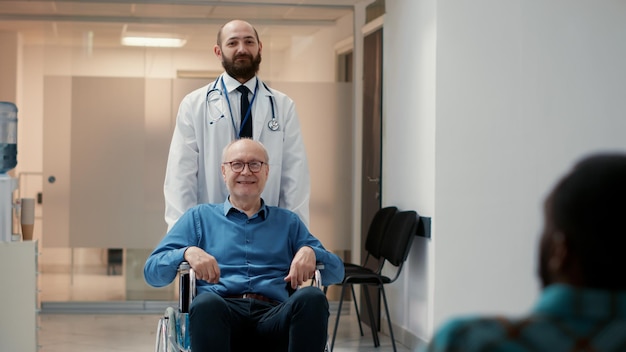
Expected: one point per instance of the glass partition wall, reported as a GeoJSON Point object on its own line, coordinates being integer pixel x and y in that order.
{"type": "Point", "coordinates": [106, 115]}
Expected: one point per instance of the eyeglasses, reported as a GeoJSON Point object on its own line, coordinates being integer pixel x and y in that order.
{"type": "Point", "coordinates": [238, 166]}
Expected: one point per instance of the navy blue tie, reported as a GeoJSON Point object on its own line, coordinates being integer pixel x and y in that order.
{"type": "Point", "coordinates": [246, 124]}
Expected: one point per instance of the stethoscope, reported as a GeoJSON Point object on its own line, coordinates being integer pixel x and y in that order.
{"type": "Point", "coordinates": [215, 96]}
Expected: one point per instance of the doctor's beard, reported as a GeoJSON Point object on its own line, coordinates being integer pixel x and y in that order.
{"type": "Point", "coordinates": [242, 70]}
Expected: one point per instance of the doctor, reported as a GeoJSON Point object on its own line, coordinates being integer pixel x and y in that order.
{"type": "Point", "coordinates": [210, 117]}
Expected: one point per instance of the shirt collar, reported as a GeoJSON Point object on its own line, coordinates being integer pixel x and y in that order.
{"type": "Point", "coordinates": [232, 84]}
{"type": "Point", "coordinates": [568, 301]}
{"type": "Point", "coordinates": [263, 210]}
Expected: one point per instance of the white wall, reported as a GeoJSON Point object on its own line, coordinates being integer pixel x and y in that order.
{"type": "Point", "coordinates": [511, 93]}
{"type": "Point", "coordinates": [313, 59]}
{"type": "Point", "coordinates": [409, 146]}
{"type": "Point", "coordinates": [486, 193]}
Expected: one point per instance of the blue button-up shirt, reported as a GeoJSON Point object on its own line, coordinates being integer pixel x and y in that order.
{"type": "Point", "coordinates": [254, 254]}
{"type": "Point", "coordinates": [564, 319]}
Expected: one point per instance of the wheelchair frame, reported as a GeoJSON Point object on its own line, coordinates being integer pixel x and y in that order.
{"type": "Point", "coordinates": [169, 337]}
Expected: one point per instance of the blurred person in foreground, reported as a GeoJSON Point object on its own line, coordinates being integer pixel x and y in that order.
{"type": "Point", "coordinates": [582, 306]}
{"type": "Point", "coordinates": [249, 258]}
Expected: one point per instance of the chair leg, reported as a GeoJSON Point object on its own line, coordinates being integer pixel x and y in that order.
{"type": "Point", "coordinates": [356, 309]}
{"type": "Point", "coordinates": [393, 340]}
{"type": "Point", "coordinates": [343, 290]}
{"type": "Point", "coordinates": [373, 326]}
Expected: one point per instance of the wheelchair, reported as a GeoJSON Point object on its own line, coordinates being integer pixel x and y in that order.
{"type": "Point", "coordinates": [172, 333]}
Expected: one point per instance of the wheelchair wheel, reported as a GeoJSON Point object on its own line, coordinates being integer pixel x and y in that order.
{"type": "Point", "coordinates": [166, 335]}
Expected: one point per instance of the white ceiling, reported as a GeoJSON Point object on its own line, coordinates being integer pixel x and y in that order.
{"type": "Point", "coordinates": [102, 22]}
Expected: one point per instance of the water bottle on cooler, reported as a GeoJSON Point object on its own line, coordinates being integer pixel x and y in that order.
{"type": "Point", "coordinates": [8, 136]}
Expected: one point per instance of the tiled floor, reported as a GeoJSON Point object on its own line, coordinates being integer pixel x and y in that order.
{"type": "Point", "coordinates": [134, 332]}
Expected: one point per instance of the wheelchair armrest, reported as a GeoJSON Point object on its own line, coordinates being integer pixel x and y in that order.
{"type": "Point", "coordinates": [317, 278]}
{"type": "Point", "coordinates": [187, 286]}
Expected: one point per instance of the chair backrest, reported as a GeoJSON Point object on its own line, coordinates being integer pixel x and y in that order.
{"type": "Point", "coordinates": [377, 229]}
{"type": "Point", "coordinates": [399, 237]}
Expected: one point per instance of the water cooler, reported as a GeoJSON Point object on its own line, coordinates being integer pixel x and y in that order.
{"type": "Point", "coordinates": [18, 259]}
{"type": "Point", "coordinates": [8, 160]}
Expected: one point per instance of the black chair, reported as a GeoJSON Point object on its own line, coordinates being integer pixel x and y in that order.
{"type": "Point", "coordinates": [394, 249]}
{"type": "Point", "coordinates": [374, 237]}
{"type": "Point", "coordinates": [373, 240]}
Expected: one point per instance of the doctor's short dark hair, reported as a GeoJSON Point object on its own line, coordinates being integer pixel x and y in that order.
{"type": "Point", "coordinates": [589, 207]}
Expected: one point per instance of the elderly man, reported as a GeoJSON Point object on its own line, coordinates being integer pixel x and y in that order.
{"type": "Point", "coordinates": [248, 257]}
{"type": "Point", "coordinates": [581, 265]}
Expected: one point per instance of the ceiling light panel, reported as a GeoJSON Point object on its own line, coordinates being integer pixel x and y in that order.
{"type": "Point", "coordinates": [160, 42]}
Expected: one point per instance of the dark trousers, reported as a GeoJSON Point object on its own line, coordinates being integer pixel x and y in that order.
{"type": "Point", "coordinates": [300, 324]}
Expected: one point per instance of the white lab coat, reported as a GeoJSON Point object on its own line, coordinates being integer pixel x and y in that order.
{"type": "Point", "coordinates": [193, 174]}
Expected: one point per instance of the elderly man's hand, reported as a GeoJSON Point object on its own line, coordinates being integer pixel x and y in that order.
{"type": "Point", "coordinates": [204, 264]}
{"type": "Point", "coordinates": [302, 267]}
